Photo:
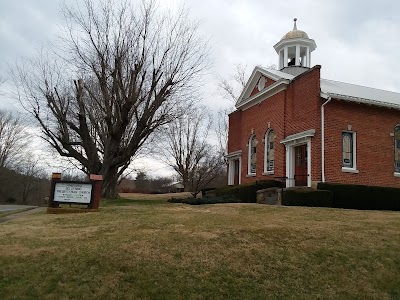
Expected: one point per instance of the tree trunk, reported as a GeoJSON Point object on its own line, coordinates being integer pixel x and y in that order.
{"type": "Point", "coordinates": [109, 185]}
{"type": "Point", "coordinates": [185, 182]}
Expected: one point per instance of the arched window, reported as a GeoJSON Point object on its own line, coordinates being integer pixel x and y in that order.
{"type": "Point", "coordinates": [252, 160]}
{"type": "Point", "coordinates": [397, 149]}
{"type": "Point", "coordinates": [269, 155]}
{"type": "Point", "coordinates": [347, 149]}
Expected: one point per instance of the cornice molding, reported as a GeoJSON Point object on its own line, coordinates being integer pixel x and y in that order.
{"type": "Point", "coordinates": [268, 92]}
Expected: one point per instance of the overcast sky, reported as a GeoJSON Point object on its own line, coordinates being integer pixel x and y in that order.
{"type": "Point", "coordinates": [357, 41]}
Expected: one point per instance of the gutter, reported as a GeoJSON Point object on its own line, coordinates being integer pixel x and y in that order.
{"type": "Point", "coordinates": [365, 101]}
{"type": "Point", "coordinates": [323, 137]}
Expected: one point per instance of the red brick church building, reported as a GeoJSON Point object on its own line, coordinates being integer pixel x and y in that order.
{"type": "Point", "coordinates": [292, 123]}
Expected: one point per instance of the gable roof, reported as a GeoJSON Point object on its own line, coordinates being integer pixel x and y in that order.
{"type": "Point", "coordinates": [277, 73]}
{"type": "Point", "coordinates": [329, 88]}
{"type": "Point", "coordinates": [279, 77]}
{"type": "Point", "coordinates": [360, 94]}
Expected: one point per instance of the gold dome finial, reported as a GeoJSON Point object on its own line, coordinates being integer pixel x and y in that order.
{"type": "Point", "coordinates": [295, 33]}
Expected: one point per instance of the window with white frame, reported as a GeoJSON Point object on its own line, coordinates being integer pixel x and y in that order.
{"type": "Point", "coordinates": [252, 160]}
{"type": "Point", "coordinates": [348, 150]}
{"type": "Point", "coordinates": [269, 156]}
{"type": "Point", "coordinates": [397, 149]}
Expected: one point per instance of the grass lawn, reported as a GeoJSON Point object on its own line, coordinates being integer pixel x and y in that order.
{"type": "Point", "coordinates": [138, 196]}
{"type": "Point", "coordinates": [158, 250]}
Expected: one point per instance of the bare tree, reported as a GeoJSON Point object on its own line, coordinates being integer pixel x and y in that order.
{"type": "Point", "coordinates": [231, 88]}
{"type": "Point", "coordinates": [207, 170]}
{"type": "Point", "coordinates": [189, 153]}
{"type": "Point", "coordinates": [13, 140]}
{"type": "Point", "coordinates": [2, 80]}
{"type": "Point", "coordinates": [31, 173]}
{"type": "Point", "coordinates": [221, 131]}
{"type": "Point", "coordinates": [120, 73]}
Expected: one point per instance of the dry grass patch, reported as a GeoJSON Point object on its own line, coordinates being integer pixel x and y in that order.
{"type": "Point", "coordinates": [138, 196]}
{"type": "Point", "coordinates": [173, 251]}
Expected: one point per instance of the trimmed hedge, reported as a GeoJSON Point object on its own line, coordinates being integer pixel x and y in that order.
{"type": "Point", "coordinates": [363, 196]}
{"type": "Point", "coordinates": [307, 197]}
{"type": "Point", "coordinates": [247, 192]}
{"type": "Point", "coordinates": [208, 200]}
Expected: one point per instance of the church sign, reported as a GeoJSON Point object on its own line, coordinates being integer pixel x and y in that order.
{"type": "Point", "coordinates": [73, 192]}
{"type": "Point", "coordinates": [85, 195]}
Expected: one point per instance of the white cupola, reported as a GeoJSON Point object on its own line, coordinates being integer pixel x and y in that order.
{"type": "Point", "coordinates": [294, 50]}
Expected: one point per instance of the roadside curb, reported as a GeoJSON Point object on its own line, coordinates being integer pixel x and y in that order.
{"type": "Point", "coordinates": [22, 213]}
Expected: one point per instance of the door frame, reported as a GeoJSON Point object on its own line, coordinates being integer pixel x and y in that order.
{"type": "Point", "coordinates": [303, 168]}
{"type": "Point", "coordinates": [232, 157]}
{"type": "Point", "coordinates": [290, 143]}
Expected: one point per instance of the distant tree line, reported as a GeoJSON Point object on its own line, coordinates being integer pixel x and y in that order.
{"type": "Point", "coordinates": [22, 179]}
{"type": "Point", "coordinates": [143, 183]}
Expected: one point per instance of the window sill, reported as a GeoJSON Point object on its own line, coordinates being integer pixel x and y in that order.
{"type": "Point", "coordinates": [251, 175]}
{"type": "Point", "coordinates": [349, 170]}
{"type": "Point", "coordinates": [268, 173]}
{"type": "Point", "coordinates": [396, 174]}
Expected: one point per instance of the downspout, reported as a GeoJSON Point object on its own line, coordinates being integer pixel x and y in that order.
{"type": "Point", "coordinates": [323, 137]}
{"type": "Point", "coordinates": [285, 175]}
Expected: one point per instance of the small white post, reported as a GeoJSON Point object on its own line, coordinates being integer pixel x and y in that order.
{"type": "Point", "coordinates": [230, 172]}
{"type": "Point", "coordinates": [297, 55]}
{"type": "Point", "coordinates": [285, 57]}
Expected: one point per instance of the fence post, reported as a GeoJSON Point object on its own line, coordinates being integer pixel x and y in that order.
{"type": "Point", "coordinates": [55, 177]}
{"type": "Point", "coordinates": [97, 181]}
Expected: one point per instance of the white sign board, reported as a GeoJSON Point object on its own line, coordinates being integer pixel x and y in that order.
{"type": "Point", "coordinates": [73, 192]}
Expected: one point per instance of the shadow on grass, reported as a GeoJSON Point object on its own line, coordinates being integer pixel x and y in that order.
{"type": "Point", "coordinates": [128, 202]}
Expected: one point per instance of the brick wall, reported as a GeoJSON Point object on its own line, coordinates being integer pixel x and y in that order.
{"type": "Point", "coordinates": [235, 131]}
{"type": "Point", "coordinates": [375, 147]}
{"type": "Point", "coordinates": [298, 109]}
{"type": "Point", "coordinates": [256, 119]}
{"type": "Point", "coordinates": [291, 111]}
{"type": "Point", "coordinates": [303, 112]}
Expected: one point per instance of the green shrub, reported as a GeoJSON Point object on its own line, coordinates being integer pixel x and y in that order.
{"type": "Point", "coordinates": [363, 196]}
{"type": "Point", "coordinates": [207, 200]}
{"type": "Point", "coordinates": [307, 197]}
{"type": "Point", "coordinates": [247, 192]}
{"type": "Point", "coordinates": [207, 192]}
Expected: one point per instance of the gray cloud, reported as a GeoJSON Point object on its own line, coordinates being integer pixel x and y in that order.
{"type": "Point", "coordinates": [357, 40]}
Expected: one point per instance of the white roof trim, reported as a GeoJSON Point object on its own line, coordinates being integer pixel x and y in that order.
{"type": "Point", "coordinates": [361, 100]}
{"type": "Point", "coordinates": [255, 76]}
{"type": "Point", "coordinates": [325, 95]}
{"type": "Point", "coordinates": [268, 92]}
{"type": "Point", "coordinates": [234, 154]}
{"type": "Point", "coordinates": [359, 94]}
{"type": "Point", "coordinates": [298, 136]}
{"type": "Point", "coordinates": [300, 41]}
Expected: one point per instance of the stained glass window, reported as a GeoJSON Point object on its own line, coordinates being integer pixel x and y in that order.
{"type": "Point", "coordinates": [397, 149]}
{"type": "Point", "coordinates": [252, 154]}
{"type": "Point", "coordinates": [270, 151]}
{"type": "Point", "coordinates": [347, 149]}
